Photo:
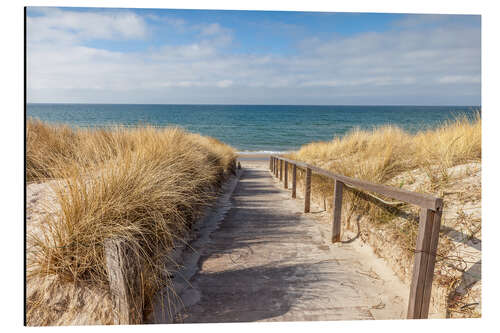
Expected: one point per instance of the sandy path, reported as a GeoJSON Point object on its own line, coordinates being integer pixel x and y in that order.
{"type": "Point", "coordinates": [268, 261]}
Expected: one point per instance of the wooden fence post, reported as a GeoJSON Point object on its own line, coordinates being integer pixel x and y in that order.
{"type": "Point", "coordinates": [281, 170]}
{"type": "Point", "coordinates": [436, 226]}
{"type": "Point", "coordinates": [337, 211]}
{"type": "Point", "coordinates": [424, 262]}
{"type": "Point", "coordinates": [286, 174]}
{"type": "Point", "coordinates": [124, 282]}
{"type": "Point", "coordinates": [307, 195]}
{"type": "Point", "coordinates": [428, 229]}
{"type": "Point", "coordinates": [270, 163]}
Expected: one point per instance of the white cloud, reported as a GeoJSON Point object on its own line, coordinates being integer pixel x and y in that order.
{"type": "Point", "coordinates": [459, 79]}
{"type": "Point", "coordinates": [211, 29]}
{"type": "Point", "coordinates": [217, 34]}
{"type": "Point", "coordinates": [58, 25]}
{"type": "Point", "coordinates": [438, 63]}
{"type": "Point", "coordinates": [224, 83]}
{"type": "Point", "coordinates": [185, 52]}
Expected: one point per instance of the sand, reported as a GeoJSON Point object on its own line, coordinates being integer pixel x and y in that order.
{"type": "Point", "coordinates": [268, 261]}
{"type": "Point", "coordinates": [293, 250]}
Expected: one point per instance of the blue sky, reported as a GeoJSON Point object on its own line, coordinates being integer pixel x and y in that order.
{"type": "Point", "coordinates": [89, 55]}
{"type": "Point", "coordinates": [253, 31]}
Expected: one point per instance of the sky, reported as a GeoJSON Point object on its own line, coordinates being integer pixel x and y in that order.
{"type": "Point", "coordinates": [93, 55]}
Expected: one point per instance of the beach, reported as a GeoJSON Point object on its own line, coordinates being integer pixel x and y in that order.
{"type": "Point", "coordinates": [248, 159]}
{"type": "Point", "coordinates": [212, 165]}
{"type": "Point", "coordinates": [117, 167]}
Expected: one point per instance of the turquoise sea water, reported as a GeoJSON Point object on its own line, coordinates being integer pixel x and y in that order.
{"type": "Point", "coordinates": [253, 127]}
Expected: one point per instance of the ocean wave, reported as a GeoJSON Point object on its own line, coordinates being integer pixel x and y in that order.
{"type": "Point", "coordinates": [255, 152]}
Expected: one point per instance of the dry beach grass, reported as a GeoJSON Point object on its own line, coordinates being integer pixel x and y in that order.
{"type": "Point", "coordinates": [148, 185]}
{"type": "Point", "coordinates": [381, 154]}
{"type": "Point", "coordinates": [445, 161]}
{"type": "Point", "coordinates": [144, 185]}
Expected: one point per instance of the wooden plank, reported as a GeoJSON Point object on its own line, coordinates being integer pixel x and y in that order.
{"type": "Point", "coordinates": [286, 175]}
{"type": "Point", "coordinates": [337, 211]}
{"type": "Point", "coordinates": [294, 181]}
{"type": "Point", "coordinates": [419, 199]}
{"type": "Point", "coordinates": [307, 195]}
{"type": "Point", "coordinates": [124, 282]}
{"type": "Point", "coordinates": [420, 264]}
{"type": "Point", "coordinates": [431, 261]}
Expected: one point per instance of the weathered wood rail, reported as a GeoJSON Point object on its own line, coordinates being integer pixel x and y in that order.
{"type": "Point", "coordinates": [428, 230]}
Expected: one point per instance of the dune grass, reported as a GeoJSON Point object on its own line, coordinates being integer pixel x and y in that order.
{"type": "Point", "coordinates": [144, 185]}
{"type": "Point", "coordinates": [384, 152]}
{"type": "Point", "coordinates": [421, 162]}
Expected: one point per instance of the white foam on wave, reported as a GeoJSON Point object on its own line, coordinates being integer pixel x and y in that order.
{"type": "Point", "coordinates": [270, 152]}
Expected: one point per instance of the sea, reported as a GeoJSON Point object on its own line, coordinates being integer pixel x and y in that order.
{"type": "Point", "coordinates": [253, 128]}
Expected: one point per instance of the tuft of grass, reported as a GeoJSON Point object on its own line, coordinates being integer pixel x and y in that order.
{"type": "Point", "coordinates": [144, 185]}
{"type": "Point", "coordinates": [420, 162]}
{"type": "Point", "coordinates": [384, 152]}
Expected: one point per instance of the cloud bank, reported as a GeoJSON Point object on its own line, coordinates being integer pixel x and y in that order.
{"type": "Point", "coordinates": [422, 59]}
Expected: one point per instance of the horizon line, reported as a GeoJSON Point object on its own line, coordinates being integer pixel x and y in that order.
{"type": "Point", "coordinates": [228, 104]}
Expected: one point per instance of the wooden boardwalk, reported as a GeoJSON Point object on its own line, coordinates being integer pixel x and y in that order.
{"type": "Point", "coordinates": [268, 261]}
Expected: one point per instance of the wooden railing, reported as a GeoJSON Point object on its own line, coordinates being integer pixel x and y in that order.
{"type": "Point", "coordinates": [428, 230]}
